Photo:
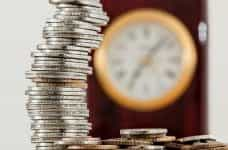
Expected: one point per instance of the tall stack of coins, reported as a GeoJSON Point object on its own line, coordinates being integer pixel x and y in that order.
{"type": "Point", "coordinates": [57, 98]}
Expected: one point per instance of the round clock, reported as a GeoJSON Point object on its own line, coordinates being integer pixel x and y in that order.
{"type": "Point", "coordinates": [147, 60]}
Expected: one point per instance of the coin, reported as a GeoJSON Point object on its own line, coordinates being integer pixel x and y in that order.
{"type": "Point", "coordinates": [147, 147]}
{"type": "Point", "coordinates": [126, 142]}
{"type": "Point", "coordinates": [93, 147]}
{"type": "Point", "coordinates": [196, 138]}
{"type": "Point", "coordinates": [79, 141]}
{"type": "Point", "coordinates": [130, 132]}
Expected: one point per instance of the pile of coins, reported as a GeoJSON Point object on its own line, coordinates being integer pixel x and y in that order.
{"type": "Point", "coordinates": [139, 138]}
{"type": "Point", "coordinates": [57, 98]}
{"type": "Point", "coordinates": [156, 139]}
{"type": "Point", "coordinates": [202, 142]}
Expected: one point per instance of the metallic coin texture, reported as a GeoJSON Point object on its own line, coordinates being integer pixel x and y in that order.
{"type": "Point", "coordinates": [57, 98]}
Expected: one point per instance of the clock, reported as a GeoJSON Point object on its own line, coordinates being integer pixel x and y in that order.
{"type": "Point", "coordinates": [147, 60]}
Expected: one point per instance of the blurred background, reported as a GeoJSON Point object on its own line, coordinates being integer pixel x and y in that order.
{"type": "Point", "coordinates": [184, 114]}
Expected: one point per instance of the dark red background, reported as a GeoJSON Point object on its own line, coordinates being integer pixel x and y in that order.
{"type": "Point", "coordinates": [188, 116]}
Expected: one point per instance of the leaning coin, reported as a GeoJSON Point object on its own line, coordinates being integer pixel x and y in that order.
{"type": "Point", "coordinates": [207, 145]}
{"type": "Point", "coordinates": [196, 138]}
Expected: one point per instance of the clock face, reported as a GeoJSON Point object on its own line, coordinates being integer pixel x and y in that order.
{"type": "Point", "coordinates": [147, 60]}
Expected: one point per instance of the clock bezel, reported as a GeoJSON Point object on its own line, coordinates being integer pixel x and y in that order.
{"type": "Point", "coordinates": [189, 59]}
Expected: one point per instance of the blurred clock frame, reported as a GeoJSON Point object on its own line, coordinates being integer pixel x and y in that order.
{"type": "Point", "coordinates": [151, 69]}
{"type": "Point", "coordinates": [147, 59]}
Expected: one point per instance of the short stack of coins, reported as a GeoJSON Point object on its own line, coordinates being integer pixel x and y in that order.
{"type": "Point", "coordinates": [141, 138]}
{"type": "Point", "coordinates": [57, 102]}
{"type": "Point", "coordinates": [85, 143]}
{"type": "Point", "coordinates": [200, 142]}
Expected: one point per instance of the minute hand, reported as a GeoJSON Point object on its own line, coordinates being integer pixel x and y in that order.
{"type": "Point", "coordinates": [141, 66]}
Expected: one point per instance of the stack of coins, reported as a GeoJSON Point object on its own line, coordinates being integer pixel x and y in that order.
{"type": "Point", "coordinates": [57, 99]}
{"type": "Point", "coordinates": [85, 143]}
{"type": "Point", "coordinates": [141, 139]}
{"type": "Point", "coordinates": [201, 142]}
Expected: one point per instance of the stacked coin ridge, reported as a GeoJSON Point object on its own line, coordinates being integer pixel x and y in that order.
{"type": "Point", "coordinates": [57, 98]}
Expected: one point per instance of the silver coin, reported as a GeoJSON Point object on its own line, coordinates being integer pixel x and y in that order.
{"type": "Point", "coordinates": [73, 131]}
{"type": "Point", "coordinates": [42, 54]}
{"type": "Point", "coordinates": [87, 41]}
{"type": "Point", "coordinates": [47, 135]}
{"type": "Point", "coordinates": [143, 131]}
{"type": "Point", "coordinates": [59, 60]}
{"type": "Point", "coordinates": [72, 135]}
{"type": "Point", "coordinates": [76, 121]}
{"type": "Point", "coordinates": [46, 145]}
{"type": "Point", "coordinates": [196, 138]}
{"type": "Point", "coordinates": [46, 46]}
{"type": "Point", "coordinates": [84, 113]}
{"type": "Point", "coordinates": [57, 75]}
{"type": "Point", "coordinates": [79, 141]}
{"type": "Point", "coordinates": [60, 24]}
{"type": "Point", "coordinates": [58, 39]}
{"type": "Point", "coordinates": [55, 117]}
{"type": "Point", "coordinates": [89, 45]}
{"type": "Point", "coordinates": [72, 35]}
{"type": "Point", "coordinates": [66, 70]}
{"type": "Point", "coordinates": [94, 3]}
{"type": "Point", "coordinates": [76, 48]}
{"type": "Point", "coordinates": [64, 65]}
{"type": "Point", "coordinates": [74, 127]}
{"type": "Point", "coordinates": [57, 97]}
{"type": "Point", "coordinates": [44, 140]}
{"type": "Point", "coordinates": [65, 51]}
{"type": "Point", "coordinates": [57, 28]}
{"type": "Point", "coordinates": [54, 147]}
{"type": "Point", "coordinates": [62, 106]}
{"type": "Point", "coordinates": [65, 5]}
{"type": "Point", "coordinates": [47, 131]}
{"type": "Point", "coordinates": [46, 93]}
{"type": "Point", "coordinates": [82, 13]}
{"type": "Point", "coordinates": [74, 31]}
{"type": "Point", "coordinates": [34, 88]}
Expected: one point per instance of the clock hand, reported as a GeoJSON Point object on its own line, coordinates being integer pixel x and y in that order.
{"type": "Point", "coordinates": [145, 62]}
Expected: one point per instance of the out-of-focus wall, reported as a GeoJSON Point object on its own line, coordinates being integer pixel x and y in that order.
{"type": "Point", "coordinates": [218, 70]}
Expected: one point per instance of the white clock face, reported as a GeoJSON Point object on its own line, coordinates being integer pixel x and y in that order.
{"type": "Point", "coordinates": [145, 60]}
